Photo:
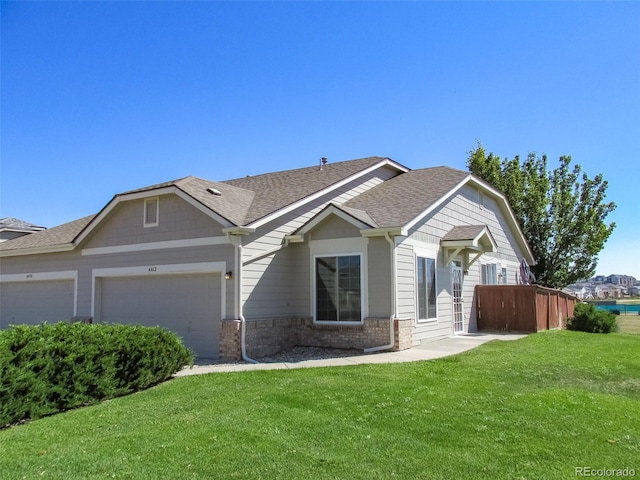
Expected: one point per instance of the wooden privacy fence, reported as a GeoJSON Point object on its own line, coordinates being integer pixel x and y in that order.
{"type": "Point", "coordinates": [522, 308]}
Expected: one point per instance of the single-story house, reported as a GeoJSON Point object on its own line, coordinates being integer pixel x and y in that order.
{"type": "Point", "coordinates": [363, 254]}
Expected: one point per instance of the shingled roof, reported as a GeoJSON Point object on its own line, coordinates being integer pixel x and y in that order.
{"type": "Point", "coordinates": [397, 201]}
{"type": "Point", "coordinates": [15, 224]}
{"type": "Point", "coordinates": [241, 201]}
{"type": "Point", "coordinates": [277, 190]}
{"type": "Point", "coordinates": [60, 235]}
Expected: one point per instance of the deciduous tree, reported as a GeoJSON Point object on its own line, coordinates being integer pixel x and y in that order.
{"type": "Point", "coordinates": [561, 212]}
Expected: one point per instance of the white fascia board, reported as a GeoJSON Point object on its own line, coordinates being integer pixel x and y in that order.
{"type": "Point", "coordinates": [37, 250]}
{"type": "Point", "coordinates": [331, 210]}
{"type": "Point", "coordinates": [310, 198]}
{"type": "Point", "coordinates": [435, 205]}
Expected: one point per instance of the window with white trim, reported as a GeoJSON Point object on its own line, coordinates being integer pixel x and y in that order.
{"type": "Point", "coordinates": [151, 207]}
{"type": "Point", "coordinates": [504, 276]}
{"type": "Point", "coordinates": [338, 285]}
{"type": "Point", "coordinates": [490, 274]}
{"type": "Point", "coordinates": [426, 288]}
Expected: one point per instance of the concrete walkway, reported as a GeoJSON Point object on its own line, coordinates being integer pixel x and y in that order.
{"type": "Point", "coordinates": [428, 350]}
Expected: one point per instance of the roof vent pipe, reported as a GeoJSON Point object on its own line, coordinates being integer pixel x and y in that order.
{"type": "Point", "coordinates": [323, 162]}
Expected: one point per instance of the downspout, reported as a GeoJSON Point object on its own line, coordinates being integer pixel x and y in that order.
{"type": "Point", "coordinates": [393, 316]}
{"type": "Point", "coordinates": [237, 241]}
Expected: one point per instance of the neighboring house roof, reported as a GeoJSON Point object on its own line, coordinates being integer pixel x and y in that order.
{"type": "Point", "coordinates": [17, 225]}
{"type": "Point", "coordinates": [55, 236]}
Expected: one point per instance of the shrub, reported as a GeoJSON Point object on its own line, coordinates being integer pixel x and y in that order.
{"type": "Point", "coordinates": [50, 368]}
{"type": "Point", "coordinates": [588, 318]}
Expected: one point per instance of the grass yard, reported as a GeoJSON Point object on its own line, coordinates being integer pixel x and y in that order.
{"type": "Point", "coordinates": [629, 323]}
{"type": "Point", "coordinates": [534, 408]}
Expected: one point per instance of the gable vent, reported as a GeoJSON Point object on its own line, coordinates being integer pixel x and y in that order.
{"type": "Point", "coordinates": [214, 191]}
{"type": "Point", "coordinates": [151, 212]}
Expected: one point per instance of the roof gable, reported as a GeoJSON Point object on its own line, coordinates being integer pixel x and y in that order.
{"type": "Point", "coordinates": [396, 202]}
{"type": "Point", "coordinates": [276, 192]}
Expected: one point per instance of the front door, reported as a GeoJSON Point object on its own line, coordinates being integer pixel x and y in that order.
{"type": "Point", "coordinates": [458, 300]}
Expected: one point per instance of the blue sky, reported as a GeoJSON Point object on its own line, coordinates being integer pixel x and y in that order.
{"type": "Point", "coordinates": [103, 97]}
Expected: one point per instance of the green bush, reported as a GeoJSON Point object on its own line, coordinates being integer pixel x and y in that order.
{"type": "Point", "coordinates": [588, 318]}
{"type": "Point", "coordinates": [50, 368]}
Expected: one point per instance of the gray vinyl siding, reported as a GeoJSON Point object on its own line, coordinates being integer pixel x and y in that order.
{"type": "Point", "coordinates": [268, 281]}
{"type": "Point", "coordinates": [177, 220]}
{"type": "Point", "coordinates": [462, 209]}
{"type": "Point", "coordinates": [379, 277]}
{"type": "Point", "coordinates": [405, 287]}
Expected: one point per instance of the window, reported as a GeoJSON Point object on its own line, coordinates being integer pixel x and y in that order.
{"type": "Point", "coordinates": [504, 276]}
{"type": "Point", "coordinates": [426, 272]}
{"type": "Point", "coordinates": [490, 274]}
{"type": "Point", "coordinates": [338, 288]}
{"type": "Point", "coordinates": [151, 212]}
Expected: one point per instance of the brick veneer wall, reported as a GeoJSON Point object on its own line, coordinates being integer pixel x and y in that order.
{"type": "Point", "coordinates": [268, 336]}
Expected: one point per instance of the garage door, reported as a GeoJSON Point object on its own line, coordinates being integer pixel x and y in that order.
{"type": "Point", "coordinates": [187, 304]}
{"type": "Point", "coordinates": [35, 302]}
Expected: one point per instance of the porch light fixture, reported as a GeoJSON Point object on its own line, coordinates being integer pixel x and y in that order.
{"type": "Point", "coordinates": [227, 276]}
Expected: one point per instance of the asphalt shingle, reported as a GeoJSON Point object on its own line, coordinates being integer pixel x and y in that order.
{"type": "Point", "coordinates": [397, 201]}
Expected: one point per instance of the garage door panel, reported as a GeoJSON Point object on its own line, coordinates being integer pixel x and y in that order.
{"type": "Point", "coordinates": [188, 305]}
{"type": "Point", "coordinates": [31, 303]}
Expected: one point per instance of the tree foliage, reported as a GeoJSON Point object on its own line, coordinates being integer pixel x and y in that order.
{"type": "Point", "coordinates": [561, 212]}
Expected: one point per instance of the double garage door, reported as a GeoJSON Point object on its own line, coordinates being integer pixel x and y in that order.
{"type": "Point", "coordinates": [34, 302]}
{"type": "Point", "coordinates": [187, 304]}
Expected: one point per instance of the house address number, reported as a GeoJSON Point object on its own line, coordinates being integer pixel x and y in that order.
{"type": "Point", "coordinates": [153, 269]}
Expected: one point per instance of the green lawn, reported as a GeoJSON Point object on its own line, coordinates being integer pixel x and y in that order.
{"type": "Point", "coordinates": [629, 324]}
{"type": "Point", "coordinates": [534, 408]}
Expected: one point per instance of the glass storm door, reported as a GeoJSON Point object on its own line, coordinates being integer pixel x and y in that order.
{"type": "Point", "coordinates": [458, 300]}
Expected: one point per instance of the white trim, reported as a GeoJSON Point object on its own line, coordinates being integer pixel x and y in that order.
{"type": "Point", "coordinates": [147, 201]}
{"type": "Point", "coordinates": [435, 205]}
{"type": "Point", "coordinates": [39, 276]}
{"type": "Point", "coordinates": [163, 270]}
{"type": "Point", "coordinates": [510, 217]}
{"type": "Point", "coordinates": [44, 277]}
{"type": "Point", "coordinates": [419, 253]}
{"type": "Point", "coordinates": [330, 188]}
{"type": "Point", "coordinates": [363, 287]}
{"type": "Point", "coordinates": [139, 247]}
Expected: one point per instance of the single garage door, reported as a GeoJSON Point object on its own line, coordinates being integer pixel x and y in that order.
{"type": "Point", "coordinates": [187, 304]}
{"type": "Point", "coordinates": [34, 302]}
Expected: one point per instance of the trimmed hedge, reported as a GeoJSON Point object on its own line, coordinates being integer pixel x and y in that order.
{"type": "Point", "coordinates": [588, 318]}
{"type": "Point", "coordinates": [50, 368]}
